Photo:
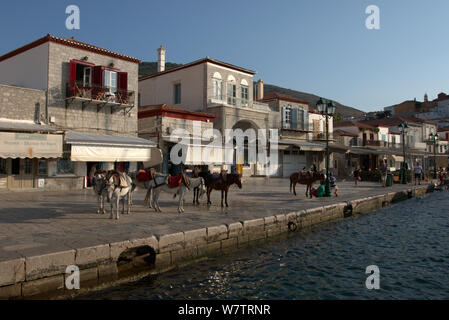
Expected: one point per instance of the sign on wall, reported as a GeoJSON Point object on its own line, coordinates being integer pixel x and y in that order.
{"type": "Point", "coordinates": [30, 145]}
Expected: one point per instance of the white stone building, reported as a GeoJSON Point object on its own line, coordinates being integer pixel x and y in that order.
{"type": "Point", "coordinates": [210, 86]}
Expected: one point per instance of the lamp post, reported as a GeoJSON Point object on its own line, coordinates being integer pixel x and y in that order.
{"type": "Point", "coordinates": [434, 138]}
{"type": "Point", "coordinates": [328, 109]}
{"type": "Point", "coordinates": [403, 128]}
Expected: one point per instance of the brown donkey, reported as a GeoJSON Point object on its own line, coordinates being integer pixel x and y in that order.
{"type": "Point", "coordinates": [222, 182]}
{"type": "Point", "coordinates": [308, 179]}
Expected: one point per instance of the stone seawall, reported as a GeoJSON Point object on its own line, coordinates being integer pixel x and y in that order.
{"type": "Point", "coordinates": [44, 276]}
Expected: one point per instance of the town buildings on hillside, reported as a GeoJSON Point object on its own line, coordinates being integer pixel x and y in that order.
{"type": "Point", "coordinates": [68, 107]}
{"type": "Point", "coordinates": [209, 86]}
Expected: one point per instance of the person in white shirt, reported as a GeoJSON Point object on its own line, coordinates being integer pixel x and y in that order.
{"type": "Point", "coordinates": [418, 172]}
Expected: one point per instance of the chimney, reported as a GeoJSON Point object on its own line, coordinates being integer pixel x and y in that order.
{"type": "Point", "coordinates": [259, 89]}
{"type": "Point", "coordinates": [160, 59]}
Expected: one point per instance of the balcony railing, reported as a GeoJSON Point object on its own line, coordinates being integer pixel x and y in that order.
{"type": "Point", "coordinates": [100, 94]}
{"type": "Point", "coordinates": [321, 136]}
{"type": "Point", "coordinates": [237, 102]}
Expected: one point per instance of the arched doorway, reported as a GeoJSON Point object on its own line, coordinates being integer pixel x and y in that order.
{"type": "Point", "coordinates": [246, 163]}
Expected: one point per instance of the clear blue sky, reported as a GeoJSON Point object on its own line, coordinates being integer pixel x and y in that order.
{"type": "Point", "coordinates": [320, 47]}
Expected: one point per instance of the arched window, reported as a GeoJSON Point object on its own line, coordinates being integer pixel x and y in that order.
{"type": "Point", "coordinates": [217, 85]}
{"type": "Point", "coordinates": [244, 92]}
{"type": "Point", "coordinates": [232, 91]}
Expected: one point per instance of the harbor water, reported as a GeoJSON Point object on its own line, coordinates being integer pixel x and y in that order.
{"type": "Point", "coordinates": [408, 242]}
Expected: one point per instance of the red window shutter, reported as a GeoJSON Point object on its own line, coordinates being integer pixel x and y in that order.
{"type": "Point", "coordinates": [98, 82]}
{"type": "Point", "coordinates": [122, 87]}
{"type": "Point", "coordinates": [72, 78]}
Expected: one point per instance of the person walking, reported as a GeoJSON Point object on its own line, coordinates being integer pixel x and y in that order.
{"type": "Point", "coordinates": [356, 175]}
{"type": "Point", "coordinates": [383, 173]}
{"type": "Point", "coordinates": [418, 173]}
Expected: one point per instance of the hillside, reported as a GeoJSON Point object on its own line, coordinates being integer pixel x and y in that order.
{"type": "Point", "coordinates": [147, 68]}
{"type": "Point", "coordinates": [345, 111]}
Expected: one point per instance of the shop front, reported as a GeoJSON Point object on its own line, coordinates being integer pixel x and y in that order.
{"type": "Point", "coordinates": [24, 158]}
{"type": "Point", "coordinates": [88, 152]}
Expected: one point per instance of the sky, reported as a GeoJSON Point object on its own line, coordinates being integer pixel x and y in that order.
{"type": "Point", "coordinates": [321, 47]}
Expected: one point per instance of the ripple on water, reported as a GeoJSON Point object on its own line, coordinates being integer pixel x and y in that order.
{"type": "Point", "coordinates": [408, 242]}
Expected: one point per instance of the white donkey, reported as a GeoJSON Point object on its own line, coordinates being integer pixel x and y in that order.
{"type": "Point", "coordinates": [149, 186]}
{"type": "Point", "coordinates": [117, 191]}
{"type": "Point", "coordinates": [100, 189]}
{"type": "Point", "coordinates": [196, 184]}
{"type": "Point", "coordinates": [181, 190]}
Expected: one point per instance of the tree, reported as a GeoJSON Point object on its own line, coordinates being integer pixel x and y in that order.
{"type": "Point", "coordinates": [338, 117]}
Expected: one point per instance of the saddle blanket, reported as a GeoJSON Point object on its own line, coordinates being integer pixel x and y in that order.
{"type": "Point", "coordinates": [175, 181]}
{"type": "Point", "coordinates": [143, 176]}
{"type": "Point", "coordinates": [123, 182]}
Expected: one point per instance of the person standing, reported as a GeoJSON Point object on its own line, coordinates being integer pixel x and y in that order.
{"type": "Point", "coordinates": [356, 175]}
{"type": "Point", "coordinates": [418, 172]}
{"type": "Point", "coordinates": [383, 173]}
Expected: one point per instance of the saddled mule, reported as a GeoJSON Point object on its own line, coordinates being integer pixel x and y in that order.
{"type": "Point", "coordinates": [100, 190]}
{"type": "Point", "coordinates": [180, 188]}
{"type": "Point", "coordinates": [147, 180]}
{"type": "Point", "coordinates": [117, 191]}
{"type": "Point", "coordinates": [307, 178]}
{"type": "Point", "coordinates": [222, 182]}
{"type": "Point", "coordinates": [197, 193]}
{"type": "Point", "coordinates": [199, 188]}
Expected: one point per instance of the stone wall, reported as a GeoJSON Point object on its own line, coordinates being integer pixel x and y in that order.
{"type": "Point", "coordinates": [88, 118]}
{"type": "Point", "coordinates": [45, 275]}
{"type": "Point", "coordinates": [20, 103]}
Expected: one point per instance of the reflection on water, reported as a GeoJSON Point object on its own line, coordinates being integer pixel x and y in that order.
{"type": "Point", "coordinates": [409, 243]}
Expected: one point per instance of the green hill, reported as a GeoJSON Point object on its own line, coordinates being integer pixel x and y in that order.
{"type": "Point", "coordinates": [147, 68]}
{"type": "Point", "coordinates": [345, 111]}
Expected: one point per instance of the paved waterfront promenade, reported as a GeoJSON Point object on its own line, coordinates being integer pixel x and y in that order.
{"type": "Point", "coordinates": [34, 223]}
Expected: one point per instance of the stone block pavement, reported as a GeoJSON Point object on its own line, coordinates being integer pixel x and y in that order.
{"type": "Point", "coordinates": [41, 222]}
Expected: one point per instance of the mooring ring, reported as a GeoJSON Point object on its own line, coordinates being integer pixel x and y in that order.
{"type": "Point", "coordinates": [292, 226]}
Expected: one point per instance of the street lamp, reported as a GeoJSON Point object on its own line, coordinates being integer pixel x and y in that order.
{"type": "Point", "coordinates": [434, 138]}
{"type": "Point", "coordinates": [403, 128]}
{"type": "Point", "coordinates": [326, 108]}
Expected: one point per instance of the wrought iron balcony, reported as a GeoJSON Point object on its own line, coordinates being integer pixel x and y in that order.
{"type": "Point", "coordinates": [99, 94]}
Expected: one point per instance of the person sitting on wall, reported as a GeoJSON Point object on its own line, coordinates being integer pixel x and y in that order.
{"type": "Point", "coordinates": [320, 191]}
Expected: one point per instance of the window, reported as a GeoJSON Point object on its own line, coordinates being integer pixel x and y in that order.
{"type": "Point", "coordinates": [2, 166]}
{"type": "Point", "coordinates": [177, 93]}
{"type": "Point", "coordinates": [87, 77]}
{"type": "Point", "coordinates": [232, 94]}
{"type": "Point", "coordinates": [15, 166]}
{"type": "Point", "coordinates": [42, 167]}
{"type": "Point", "coordinates": [110, 80]}
{"type": "Point", "coordinates": [65, 167]}
{"type": "Point", "coordinates": [244, 95]}
{"type": "Point", "coordinates": [286, 117]}
{"type": "Point", "coordinates": [217, 87]}
{"type": "Point", "coordinates": [384, 137]}
{"type": "Point", "coordinates": [28, 166]}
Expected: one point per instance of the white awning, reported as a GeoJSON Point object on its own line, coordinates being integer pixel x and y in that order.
{"type": "Point", "coordinates": [304, 145]}
{"type": "Point", "coordinates": [92, 147]}
{"type": "Point", "coordinates": [398, 158]}
{"type": "Point", "coordinates": [30, 145]}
